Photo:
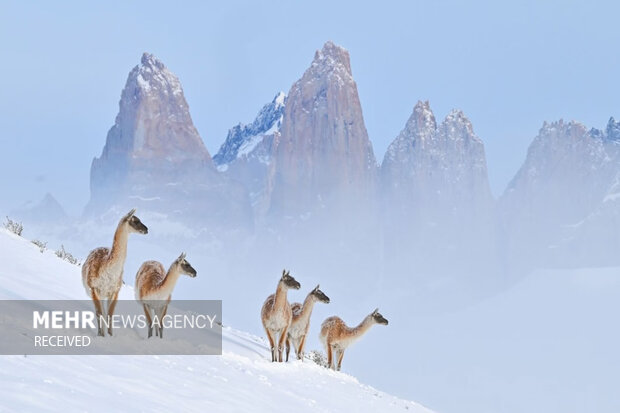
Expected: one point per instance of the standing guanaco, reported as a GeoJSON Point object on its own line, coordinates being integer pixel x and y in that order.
{"type": "Point", "coordinates": [300, 325]}
{"type": "Point", "coordinates": [102, 272]}
{"type": "Point", "coordinates": [336, 336]}
{"type": "Point", "coordinates": [276, 315]}
{"type": "Point", "coordinates": [154, 289]}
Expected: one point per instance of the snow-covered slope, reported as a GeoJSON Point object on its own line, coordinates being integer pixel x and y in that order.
{"type": "Point", "coordinates": [242, 379]}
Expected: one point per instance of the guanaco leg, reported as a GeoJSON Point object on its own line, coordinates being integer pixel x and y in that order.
{"type": "Point", "coordinates": [147, 312]}
{"type": "Point", "coordinates": [283, 335]}
{"type": "Point", "coordinates": [111, 306]}
{"type": "Point", "coordinates": [271, 344]}
{"type": "Point", "coordinates": [161, 326]}
{"type": "Point", "coordinates": [300, 349]}
{"type": "Point", "coordinates": [340, 356]}
{"type": "Point", "coordinates": [98, 311]}
{"type": "Point", "coordinates": [329, 356]}
{"type": "Point", "coordinates": [288, 347]}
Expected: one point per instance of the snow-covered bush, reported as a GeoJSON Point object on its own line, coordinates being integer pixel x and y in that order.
{"type": "Point", "coordinates": [65, 255]}
{"type": "Point", "coordinates": [317, 357]}
{"type": "Point", "coordinates": [14, 226]}
{"type": "Point", "coordinates": [41, 244]}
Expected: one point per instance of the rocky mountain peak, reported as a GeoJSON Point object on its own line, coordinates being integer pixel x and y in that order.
{"type": "Point", "coordinates": [323, 151]}
{"type": "Point", "coordinates": [420, 129]}
{"type": "Point", "coordinates": [149, 60]}
{"type": "Point", "coordinates": [331, 61]}
{"type": "Point", "coordinates": [153, 121]}
{"type": "Point", "coordinates": [457, 126]}
{"type": "Point", "coordinates": [48, 211]}
{"type": "Point", "coordinates": [422, 120]}
{"type": "Point", "coordinates": [613, 130]}
{"type": "Point", "coordinates": [154, 158]}
{"type": "Point", "coordinates": [243, 139]}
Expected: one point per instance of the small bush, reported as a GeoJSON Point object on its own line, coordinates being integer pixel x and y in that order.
{"type": "Point", "coordinates": [65, 255]}
{"type": "Point", "coordinates": [14, 226]}
{"type": "Point", "coordinates": [42, 245]}
{"type": "Point", "coordinates": [317, 357]}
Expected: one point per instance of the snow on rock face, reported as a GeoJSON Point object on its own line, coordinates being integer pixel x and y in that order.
{"type": "Point", "coordinates": [242, 379]}
{"type": "Point", "coordinates": [612, 131]}
{"type": "Point", "coordinates": [566, 176]}
{"type": "Point", "coordinates": [436, 193]}
{"type": "Point", "coordinates": [154, 120]}
{"type": "Point", "coordinates": [247, 152]}
{"type": "Point", "coordinates": [435, 184]}
{"type": "Point", "coordinates": [154, 142]}
{"type": "Point", "coordinates": [323, 151]}
{"type": "Point", "coordinates": [243, 139]}
{"type": "Point", "coordinates": [426, 161]}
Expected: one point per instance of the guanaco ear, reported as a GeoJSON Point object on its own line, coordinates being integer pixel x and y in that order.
{"type": "Point", "coordinates": [376, 310]}
{"type": "Point", "coordinates": [317, 287]}
{"type": "Point", "coordinates": [181, 257]}
{"type": "Point", "coordinates": [130, 214]}
{"type": "Point", "coordinates": [283, 273]}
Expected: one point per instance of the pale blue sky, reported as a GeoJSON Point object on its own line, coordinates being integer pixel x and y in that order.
{"type": "Point", "coordinates": [509, 66]}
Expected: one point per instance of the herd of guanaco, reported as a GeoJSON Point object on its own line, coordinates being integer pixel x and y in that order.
{"type": "Point", "coordinates": [289, 323]}
{"type": "Point", "coordinates": [285, 324]}
{"type": "Point", "coordinates": [102, 276]}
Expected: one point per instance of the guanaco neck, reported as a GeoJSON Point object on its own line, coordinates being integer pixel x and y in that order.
{"type": "Point", "coordinates": [172, 276]}
{"type": "Point", "coordinates": [361, 329]}
{"type": "Point", "coordinates": [280, 300]}
{"type": "Point", "coordinates": [306, 308]}
{"type": "Point", "coordinates": [118, 254]}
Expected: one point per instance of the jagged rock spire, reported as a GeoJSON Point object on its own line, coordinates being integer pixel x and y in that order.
{"type": "Point", "coordinates": [323, 152]}
{"type": "Point", "coordinates": [154, 157]}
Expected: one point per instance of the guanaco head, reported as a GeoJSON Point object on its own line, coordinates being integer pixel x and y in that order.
{"type": "Point", "coordinates": [320, 295]}
{"type": "Point", "coordinates": [134, 223]}
{"type": "Point", "coordinates": [289, 281]}
{"type": "Point", "coordinates": [186, 267]}
{"type": "Point", "coordinates": [378, 318]}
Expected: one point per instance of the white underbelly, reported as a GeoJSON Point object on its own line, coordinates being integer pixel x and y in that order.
{"type": "Point", "coordinates": [296, 331]}
{"type": "Point", "coordinates": [108, 283]}
{"type": "Point", "coordinates": [276, 322]}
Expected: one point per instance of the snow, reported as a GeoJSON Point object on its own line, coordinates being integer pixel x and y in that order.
{"type": "Point", "coordinates": [242, 140]}
{"type": "Point", "coordinates": [248, 146]}
{"type": "Point", "coordinates": [240, 380]}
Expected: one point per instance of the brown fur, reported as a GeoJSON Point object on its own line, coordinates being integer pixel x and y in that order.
{"type": "Point", "coordinates": [150, 277]}
{"type": "Point", "coordinates": [154, 288]}
{"type": "Point", "coordinates": [102, 272]}
{"type": "Point", "coordinates": [336, 336]}
{"type": "Point", "coordinates": [276, 315]}
{"type": "Point", "coordinates": [300, 324]}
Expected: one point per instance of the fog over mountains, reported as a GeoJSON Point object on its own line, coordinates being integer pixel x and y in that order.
{"type": "Point", "coordinates": [154, 158]}
{"type": "Point", "coordinates": [302, 179]}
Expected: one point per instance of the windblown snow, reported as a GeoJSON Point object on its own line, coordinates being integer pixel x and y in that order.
{"type": "Point", "coordinates": [242, 379]}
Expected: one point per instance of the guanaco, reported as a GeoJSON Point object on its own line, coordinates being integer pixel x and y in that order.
{"type": "Point", "coordinates": [301, 322]}
{"type": "Point", "coordinates": [276, 315]}
{"type": "Point", "coordinates": [102, 272]}
{"type": "Point", "coordinates": [154, 289]}
{"type": "Point", "coordinates": [336, 336]}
